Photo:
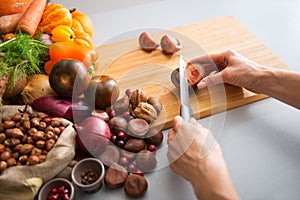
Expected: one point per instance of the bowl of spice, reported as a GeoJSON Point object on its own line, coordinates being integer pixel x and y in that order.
{"type": "Point", "coordinates": [88, 175]}
{"type": "Point", "coordinates": [57, 188]}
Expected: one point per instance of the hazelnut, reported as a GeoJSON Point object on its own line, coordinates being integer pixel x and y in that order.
{"type": "Point", "coordinates": [35, 122]}
{"type": "Point", "coordinates": [55, 122]}
{"type": "Point", "coordinates": [2, 137]}
{"type": "Point", "coordinates": [135, 185]}
{"type": "Point", "coordinates": [1, 127]}
{"type": "Point", "coordinates": [146, 42]}
{"type": "Point", "coordinates": [40, 144]}
{"type": "Point", "coordinates": [26, 124]}
{"type": "Point", "coordinates": [18, 147]}
{"type": "Point", "coordinates": [39, 135]}
{"type": "Point", "coordinates": [42, 126]}
{"type": "Point", "coordinates": [17, 117]}
{"type": "Point", "coordinates": [31, 131]}
{"type": "Point", "coordinates": [36, 151]}
{"type": "Point", "coordinates": [9, 124]}
{"type": "Point", "coordinates": [14, 141]}
{"type": "Point", "coordinates": [33, 160]}
{"type": "Point", "coordinates": [17, 133]}
{"type": "Point", "coordinates": [42, 158]}
{"type": "Point", "coordinates": [49, 144]}
{"type": "Point", "coordinates": [15, 155]}
{"type": "Point", "coordinates": [5, 155]}
{"type": "Point", "coordinates": [2, 148]}
{"type": "Point", "coordinates": [26, 149]}
{"type": "Point", "coordinates": [3, 165]}
{"type": "Point", "coordinates": [11, 162]}
{"type": "Point", "coordinates": [23, 159]}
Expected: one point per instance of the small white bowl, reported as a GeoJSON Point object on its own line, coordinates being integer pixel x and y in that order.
{"type": "Point", "coordinates": [55, 183]}
{"type": "Point", "coordinates": [82, 167]}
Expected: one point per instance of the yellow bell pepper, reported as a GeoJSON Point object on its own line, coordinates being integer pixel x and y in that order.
{"type": "Point", "coordinates": [62, 33]}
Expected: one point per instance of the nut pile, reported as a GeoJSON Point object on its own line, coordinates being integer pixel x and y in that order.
{"type": "Point", "coordinates": [26, 138]}
{"type": "Point", "coordinates": [133, 141]}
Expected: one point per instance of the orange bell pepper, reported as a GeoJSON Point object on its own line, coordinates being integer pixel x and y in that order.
{"type": "Point", "coordinates": [70, 50]}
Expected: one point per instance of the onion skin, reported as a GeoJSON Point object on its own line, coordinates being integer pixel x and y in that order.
{"type": "Point", "coordinates": [62, 107]}
{"type": "Point", "coordinates": [18, 87]}
{"type": "Point", "coordinates": [93, 135]}
{"type": "Point", "coordinates": [36, 87]}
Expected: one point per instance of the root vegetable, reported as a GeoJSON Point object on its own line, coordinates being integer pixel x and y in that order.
{"type": "Point", "coordinates": [32, 17]}
{"type": "Point", "coordinates": [37, 86]}
{"type": "Point", "coordinates": [9, 7]}
{"type": "Point", "coordinates": [8, 23]}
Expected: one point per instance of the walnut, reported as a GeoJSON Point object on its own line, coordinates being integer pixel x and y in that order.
{"type": "Point", "coordinates": [136, 97]}
{"type": "Point", "coordinates": [145, 111]}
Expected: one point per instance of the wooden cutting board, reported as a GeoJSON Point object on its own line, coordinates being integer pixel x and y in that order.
{"type": "Point", "coordinates": [134, 68]}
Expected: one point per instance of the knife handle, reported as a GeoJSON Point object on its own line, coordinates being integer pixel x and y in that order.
{"type": "Point", "coordinates": [186, 112]}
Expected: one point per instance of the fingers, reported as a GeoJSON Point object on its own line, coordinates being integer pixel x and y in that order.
{"type": "Point", "coordinates": [211, 80]}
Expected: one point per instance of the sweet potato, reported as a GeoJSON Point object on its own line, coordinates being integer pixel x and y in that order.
{"type": "Point", "coordinates": [8, 23]}
{"type": "Point", "coordinates": [9, 7]}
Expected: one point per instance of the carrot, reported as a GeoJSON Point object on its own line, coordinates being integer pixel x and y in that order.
{"type": "Point", "coordinates": [8, 23]}
{"type": "Point", "coordinates": [32, 17]}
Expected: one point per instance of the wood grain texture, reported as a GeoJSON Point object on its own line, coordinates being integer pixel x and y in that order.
{"type": "Point", "coordinates": [134, 68]}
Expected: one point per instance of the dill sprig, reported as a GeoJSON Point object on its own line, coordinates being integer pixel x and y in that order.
{"type": "Point", "coordinates": [22, 57]}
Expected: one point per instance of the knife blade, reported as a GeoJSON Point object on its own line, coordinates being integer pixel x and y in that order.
{"type": "Point", "coordinates": [185, 106]}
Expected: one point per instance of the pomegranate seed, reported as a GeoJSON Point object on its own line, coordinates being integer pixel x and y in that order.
{"type": "Point", "coordinates": [131, 168]}
{"type": "Point", "coordinates": [121, 144]}
{"type": "Point", "coordinates": [121, 136]}
{"type": "Point", "coordinates": [124, 161]}
{"type": "Point", "coordinates": [128, 92]}
{"type": "Point", "coordinates": [139, 172]}
{"type": "Point", "coordinates": [113, 139]}
{"type": "Point", "coordinates": [152, 147]}
{"type": "Point", "coordinates": [111, 113]}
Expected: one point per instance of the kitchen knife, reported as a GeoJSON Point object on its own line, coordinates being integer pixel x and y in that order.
{"type": "Point", "coordinates": [185, 107]}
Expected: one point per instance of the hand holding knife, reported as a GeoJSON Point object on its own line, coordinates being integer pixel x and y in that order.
{"type": "Point", "coordinates": [185, 107]}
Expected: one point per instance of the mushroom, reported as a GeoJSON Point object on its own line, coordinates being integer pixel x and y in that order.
{"type": "Point", "coordinates": [170, 44]}
{"type": "Point", "coordinates": [146, 42]}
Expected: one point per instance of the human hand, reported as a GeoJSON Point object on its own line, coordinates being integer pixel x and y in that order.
{"type": "Point", "coordinates": [228, 67]}
{"type": "Point", "coordinates": [194, 154]}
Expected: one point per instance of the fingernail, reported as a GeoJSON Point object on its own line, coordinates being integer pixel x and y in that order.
{"type": "Point", "coordinates": [201, 85]}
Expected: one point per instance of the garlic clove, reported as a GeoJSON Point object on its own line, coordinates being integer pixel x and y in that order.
{"type": "Point", "coordinates": [170, 44]}
{"type": "Point", "coordinates": [146, 42]}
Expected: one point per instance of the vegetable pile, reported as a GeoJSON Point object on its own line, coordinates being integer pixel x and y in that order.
{"type": "Point", "coordinates": [34, 36]}
{"type": "Point", "coordinates": [47, 61]}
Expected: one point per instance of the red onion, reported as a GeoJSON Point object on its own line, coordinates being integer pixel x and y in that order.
{"type": "Point", "coordinates": [93, 135]}
{"type": "Point", "coordinates": [60, 107]}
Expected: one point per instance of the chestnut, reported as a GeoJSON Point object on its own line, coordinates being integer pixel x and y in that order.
{"type": "Point", "coordinates": [145, 160]}
{"type": "Point", "coordinates": [135, 145]}
{"type": "Point", "coordinates": [154, 136]}
{"type": "Point", "coordinates": [135, 185]}
{"type": "Point", "coordinates": [138, 127]}
{"type": "Point", "coordinates": [115, 176]}
{"type": "Point", "coordinates": [110, 155]}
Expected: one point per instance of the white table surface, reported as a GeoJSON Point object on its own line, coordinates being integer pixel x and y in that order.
{"type": "Point", "coordinates": [260, 141]}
